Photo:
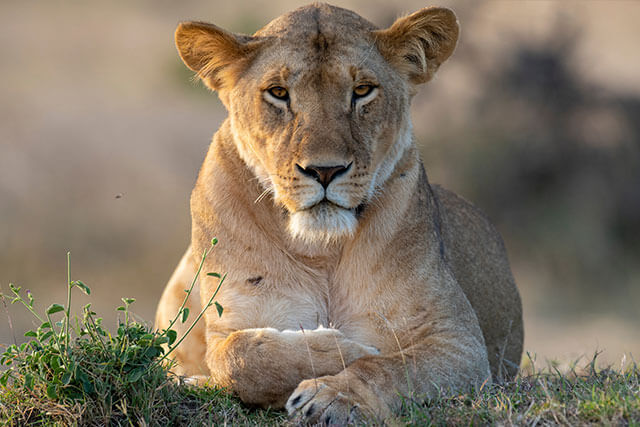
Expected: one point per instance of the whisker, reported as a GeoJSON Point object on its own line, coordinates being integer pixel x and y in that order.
{"type": "Point", "coordinates": [262, 195]}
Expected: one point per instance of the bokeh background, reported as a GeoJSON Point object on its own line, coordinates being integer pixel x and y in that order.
{"type": "Point", "coordinates": [536, 119]}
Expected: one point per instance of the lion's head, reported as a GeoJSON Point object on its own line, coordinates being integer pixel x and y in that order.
{"type": "Point", "coordinates": [318, 103]}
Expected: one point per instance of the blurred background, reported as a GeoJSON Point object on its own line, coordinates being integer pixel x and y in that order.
{"type": "Point", "coordinates": [535, 118]}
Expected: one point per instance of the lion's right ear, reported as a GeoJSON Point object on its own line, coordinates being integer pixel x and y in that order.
{"type": "Point", "coordinates": [419, 43]}
{"type": "Point", "coordinates": [215, 54]}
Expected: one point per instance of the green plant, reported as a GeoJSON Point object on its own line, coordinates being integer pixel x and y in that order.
{"type": "Point", "coordinates": [72, 360]}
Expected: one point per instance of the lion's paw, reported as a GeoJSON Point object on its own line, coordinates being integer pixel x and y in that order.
{"type": "Point", "coordinates": [314, 401]}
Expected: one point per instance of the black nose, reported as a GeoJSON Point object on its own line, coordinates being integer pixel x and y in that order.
{"type": "Point", "coordinates": [323, 174]}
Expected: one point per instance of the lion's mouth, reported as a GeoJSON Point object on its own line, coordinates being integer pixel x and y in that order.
{"type": "Point", "coordinates": [325, 203]}
{"type": "Point", "coordinates": [325, 221]}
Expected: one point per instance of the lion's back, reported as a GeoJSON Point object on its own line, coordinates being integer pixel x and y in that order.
{"type": "Point", "coordinates": [477, 256]}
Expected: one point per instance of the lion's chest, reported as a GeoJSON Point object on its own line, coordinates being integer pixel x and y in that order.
{"type": "Point", "coordinates": [304, 301]}
{"type": "Point", "coordinates": [287, 293]}
{"type": "Point", "coordinates": [286, 299]}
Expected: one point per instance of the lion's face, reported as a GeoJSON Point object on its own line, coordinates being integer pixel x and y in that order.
{"type": "Point", "coordinates": [315, 115]}
{"type": "Point", "coordinates": [319, 104]}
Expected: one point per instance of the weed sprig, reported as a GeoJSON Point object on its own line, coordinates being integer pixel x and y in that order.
{"type": "Point", "coordinates": [79, 361]}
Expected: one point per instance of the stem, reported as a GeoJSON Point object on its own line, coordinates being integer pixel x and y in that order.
{"type": "Point", "coordinates": [95, 334]}
{"type": "Point", "coordinates": [30, 309]}
{"type": "Point", "coordinates": [68, 298]}
{"type": "Point", "coordinates": [56, 337]}
{"type": "Point", "coordinates": [193, 283]}
{"type": "Point", "coordinates": [209, 304]}
{"type": "Point", "coordinates": [6, 309]}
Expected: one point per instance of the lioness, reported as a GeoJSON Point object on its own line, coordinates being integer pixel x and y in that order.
{"type": "Point", "coordinates": [352, 283]}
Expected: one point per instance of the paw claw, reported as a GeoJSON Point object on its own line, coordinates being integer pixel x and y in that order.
{"type": "Point", "coordinates": [301, 399]}
{"type": "Point", "coordinates": [309, 411]}
{"type": "Point", "coordinates": [317, 402]}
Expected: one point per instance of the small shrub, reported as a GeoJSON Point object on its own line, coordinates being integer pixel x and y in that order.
{"type": "Point", "coordinates": [79, 363]}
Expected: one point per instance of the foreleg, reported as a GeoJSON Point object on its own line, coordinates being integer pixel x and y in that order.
{"type": "Point", "coordinates": [263, 366]}
{"type": "Point", "coordinates": [375, 386]}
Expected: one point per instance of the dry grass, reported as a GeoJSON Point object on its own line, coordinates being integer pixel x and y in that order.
{"type": "Point", "coordinates": [581, 396]}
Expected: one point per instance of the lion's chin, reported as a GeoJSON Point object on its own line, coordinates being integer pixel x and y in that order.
{"type": "Point", "coordinates": [324, 223]}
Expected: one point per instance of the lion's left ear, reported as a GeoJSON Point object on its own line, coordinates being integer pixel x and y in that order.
{"type": "Point", "coordinates": [418, 43]}
{"type": "Point", "coordinates": [215, 54]}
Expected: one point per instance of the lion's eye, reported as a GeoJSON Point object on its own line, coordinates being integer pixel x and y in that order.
{"type": "Point", "coordinates": [362, 90]}
{"type": "Point", "coordinates": [279, 92]}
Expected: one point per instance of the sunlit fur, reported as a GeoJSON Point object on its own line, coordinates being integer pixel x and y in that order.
{"type": "Point", "coordinates": [410, 283]}
{"type": "Point", "coordinates": [324, 223]}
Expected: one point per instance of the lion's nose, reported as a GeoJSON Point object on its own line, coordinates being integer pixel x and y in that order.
{"type": "Point", "coordinates": [323, 174]}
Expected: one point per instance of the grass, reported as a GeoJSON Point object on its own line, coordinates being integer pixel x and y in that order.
{"type": "Point", "coordinates": [76, 372]}
{"type": "Point", "coordinates": [578, 397]}
{"type": "Point", "coordinates": [164, 402]}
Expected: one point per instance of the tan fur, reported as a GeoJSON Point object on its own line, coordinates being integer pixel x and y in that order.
{"type": "Point", "coordinates": [345, 299]}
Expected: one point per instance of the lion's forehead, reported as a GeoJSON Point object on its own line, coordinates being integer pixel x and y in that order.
{"type": "Point", "coordinates": [318, 18]}
{"type": "Point", "coordinates": [318, 45]}
{"type": "Point", "coordinates": [323, 50]}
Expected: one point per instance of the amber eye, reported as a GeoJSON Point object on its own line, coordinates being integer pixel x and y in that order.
{"type": "Point", "coordinates": [362, 90]}
{"type": "Point", "coordinates": [279, 92]}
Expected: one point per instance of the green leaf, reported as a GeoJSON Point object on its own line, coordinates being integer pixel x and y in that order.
{"type": "Point", "coordinates": [214, 241]}
{"type": "Point", "coordinates": [30, 334]}
{"type": "Point", "coordinates": [172, 335]}
{"type": "Point", "coordinates": [87, 386]}
{"type": "Point", "coordinates": [28, 381]}
{"type": "Point", "coordinates": [54, 308]}
{"type": "Point", "coordinates": [219, 308]}
{"type": "Point", "coordinates": [214, 275]}
{"type": "Point", "coordinates": [82, 286]}
{"type": "Point", "coordinates": [52, 393]}
{"type": "Point", "coordinates": [135, 375]}
{"type": "Point", "coordinates": [46, 336]}
{"type": "Point", "coordinates": [185, 314]}
{"type": "Point", "coordinates": [128, 301]}
{"type": "Point", "coordinates": [4, 378]}
{"type": "Point", "coordinates": [44, 325]}
{"type": "Point", "coordinates": [151, 352]}
{"type": "Point", "coordinates": [121, 308]}
{"type": "Point", "coordinates": [55, 363]}
{"type": "Point", "coordinates": [66, 378]}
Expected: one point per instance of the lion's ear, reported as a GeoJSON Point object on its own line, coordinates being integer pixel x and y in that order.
{"type": "Point", "coordinates": [418, 43]}
{"type": "Point", "coordinates": [215, 54]}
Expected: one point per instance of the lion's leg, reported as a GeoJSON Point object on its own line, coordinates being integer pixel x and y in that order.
{"type": "Point", "coordinates": [377, 385]}
{"type": "Point", "coordinates": [441, 349]}
{"type": "Point", "coordinates": [190, 355]}
{"type": "Point", "coordinates": [263, 366]}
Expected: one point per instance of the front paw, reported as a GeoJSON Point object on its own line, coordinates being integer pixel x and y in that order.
{"type": "Point", "coordinates": [316, 401]}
